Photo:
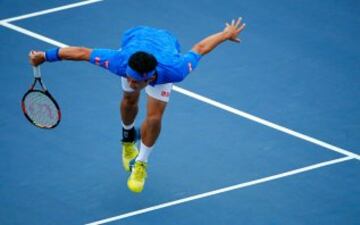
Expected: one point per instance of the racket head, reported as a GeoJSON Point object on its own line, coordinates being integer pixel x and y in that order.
{"type": "Point", "coordinates": [41, 109]}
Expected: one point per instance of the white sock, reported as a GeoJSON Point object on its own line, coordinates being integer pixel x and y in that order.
{"type": "Point", "coordinates": [144, 153]}
{"type": "Point", "coordinates": [128, 127]}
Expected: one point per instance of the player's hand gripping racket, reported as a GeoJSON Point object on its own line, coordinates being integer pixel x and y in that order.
{"type": "Point", "coordinates": [39, 107]}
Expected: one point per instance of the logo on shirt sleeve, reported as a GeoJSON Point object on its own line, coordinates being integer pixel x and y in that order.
{"type": "Point", "coordinates": [106, 64]}
{"type": "Point", "coordinates": [97, 60]}
{"type": "Point", "coordinates": [190, 67]}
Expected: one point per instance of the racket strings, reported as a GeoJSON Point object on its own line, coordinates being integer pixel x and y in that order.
{"type": "Point", "coordinates": [41, 109]}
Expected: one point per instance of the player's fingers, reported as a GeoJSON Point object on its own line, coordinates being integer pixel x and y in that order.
{"type": "Point", "coordinates": [238, 21]}
{"type": "Point", "coordinates": [232, 22]}
{"type": "Point", "coordinates": [242, 27]}
{"type": "Point", "coordinates": [33, 53]}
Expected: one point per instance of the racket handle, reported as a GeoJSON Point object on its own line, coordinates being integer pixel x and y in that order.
{"type": "Point", "coordinates": [37, 73]}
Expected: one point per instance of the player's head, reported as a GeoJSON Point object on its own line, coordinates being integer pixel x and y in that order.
{"type": "Point", "coordinates": [141, 69]}
{"type": "Point", "coordinates": [141, 66]}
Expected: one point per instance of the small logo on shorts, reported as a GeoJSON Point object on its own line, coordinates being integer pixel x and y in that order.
{"type": "Point", "coordinates": [165, 93]}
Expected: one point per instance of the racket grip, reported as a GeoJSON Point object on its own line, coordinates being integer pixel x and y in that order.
{"type": "Point", "coordinates": [37, 73]}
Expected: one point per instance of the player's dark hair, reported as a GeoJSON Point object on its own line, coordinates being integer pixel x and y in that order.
{"type": "Point", "coordinates": [142, 62]}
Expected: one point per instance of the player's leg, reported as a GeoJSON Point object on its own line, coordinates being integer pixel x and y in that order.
{"type": "Point", "coordinates": [158, 97]}
{"type": "Point", "coordinates": [129, 107]}
{"type": "Point", "coordinates": [129, 110]}
{"type": "Point", "coordinates": [150, 129]}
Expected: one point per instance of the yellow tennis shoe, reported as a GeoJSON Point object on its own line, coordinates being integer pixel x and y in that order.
{"type": "Point", "coordinates": [137, 178]}
{"type": "Point", "coordinates": [129, 152]}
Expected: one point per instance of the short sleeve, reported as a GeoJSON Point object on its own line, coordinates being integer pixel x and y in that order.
{"type": "Point", "coordinates": [186, 65]}
{"type": "Point", "coordinates": [191, 59]}
{"type": "Point", "coordinates": [106, 58]}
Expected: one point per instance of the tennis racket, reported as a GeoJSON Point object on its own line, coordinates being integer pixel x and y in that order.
{"type": "Point", "coordinates": [39, 107]}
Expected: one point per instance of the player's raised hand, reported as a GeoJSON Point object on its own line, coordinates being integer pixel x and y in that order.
{"type": "Point", "coordinates": [233, 30]}
{"type": "Point", "coordinates": [36, 57]}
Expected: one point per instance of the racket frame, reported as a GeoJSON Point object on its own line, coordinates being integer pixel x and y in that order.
{"type": "Point", "coordinates": [44, 90]}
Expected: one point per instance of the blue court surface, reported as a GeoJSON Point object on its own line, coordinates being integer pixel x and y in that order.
{"type": "Point", "coordinates": [265, 132]}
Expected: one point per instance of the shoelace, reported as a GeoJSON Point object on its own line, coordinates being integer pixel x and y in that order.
{"type": "Point", "coordinates": [140, 171]}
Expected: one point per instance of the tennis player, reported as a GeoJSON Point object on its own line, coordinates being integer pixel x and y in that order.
{"type": "Point", "coordinates": [149, 59]}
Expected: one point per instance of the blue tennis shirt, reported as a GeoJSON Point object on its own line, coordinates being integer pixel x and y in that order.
{"type": "Point", "coordinates": [172, 66]}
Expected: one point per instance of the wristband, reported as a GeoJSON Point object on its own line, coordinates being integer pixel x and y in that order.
{"type": "Point", "coordinates": [52, 55]}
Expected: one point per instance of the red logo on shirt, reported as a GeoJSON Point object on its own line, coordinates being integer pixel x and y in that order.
{"type": "Point", "coordinates": [106, 64]}
{"type": "Point", "coordinates": [97, 60]}
{"type": "Point", "coordinates": [165, 93]}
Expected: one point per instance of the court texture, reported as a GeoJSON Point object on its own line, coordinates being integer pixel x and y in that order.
{"type": "Point", "coordinates": [265, 132]}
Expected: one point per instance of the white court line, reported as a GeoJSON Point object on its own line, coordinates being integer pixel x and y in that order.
{"type": "Point", "coordinates": [82, 3]}
{"type": "Point", "coordinates": [32, 34]}
{"type": "Point", "coordinates": [265, 122]}
{"type": "Point", "coordinates": [222, 190]}
{"type": "Point", "coordinates": [212, 102]}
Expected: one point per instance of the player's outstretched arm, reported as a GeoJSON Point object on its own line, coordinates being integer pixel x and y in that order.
{"type": "Point", "coordinates": [230, 32]}
{"type": "Point", "coordinates": [67, 53]}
